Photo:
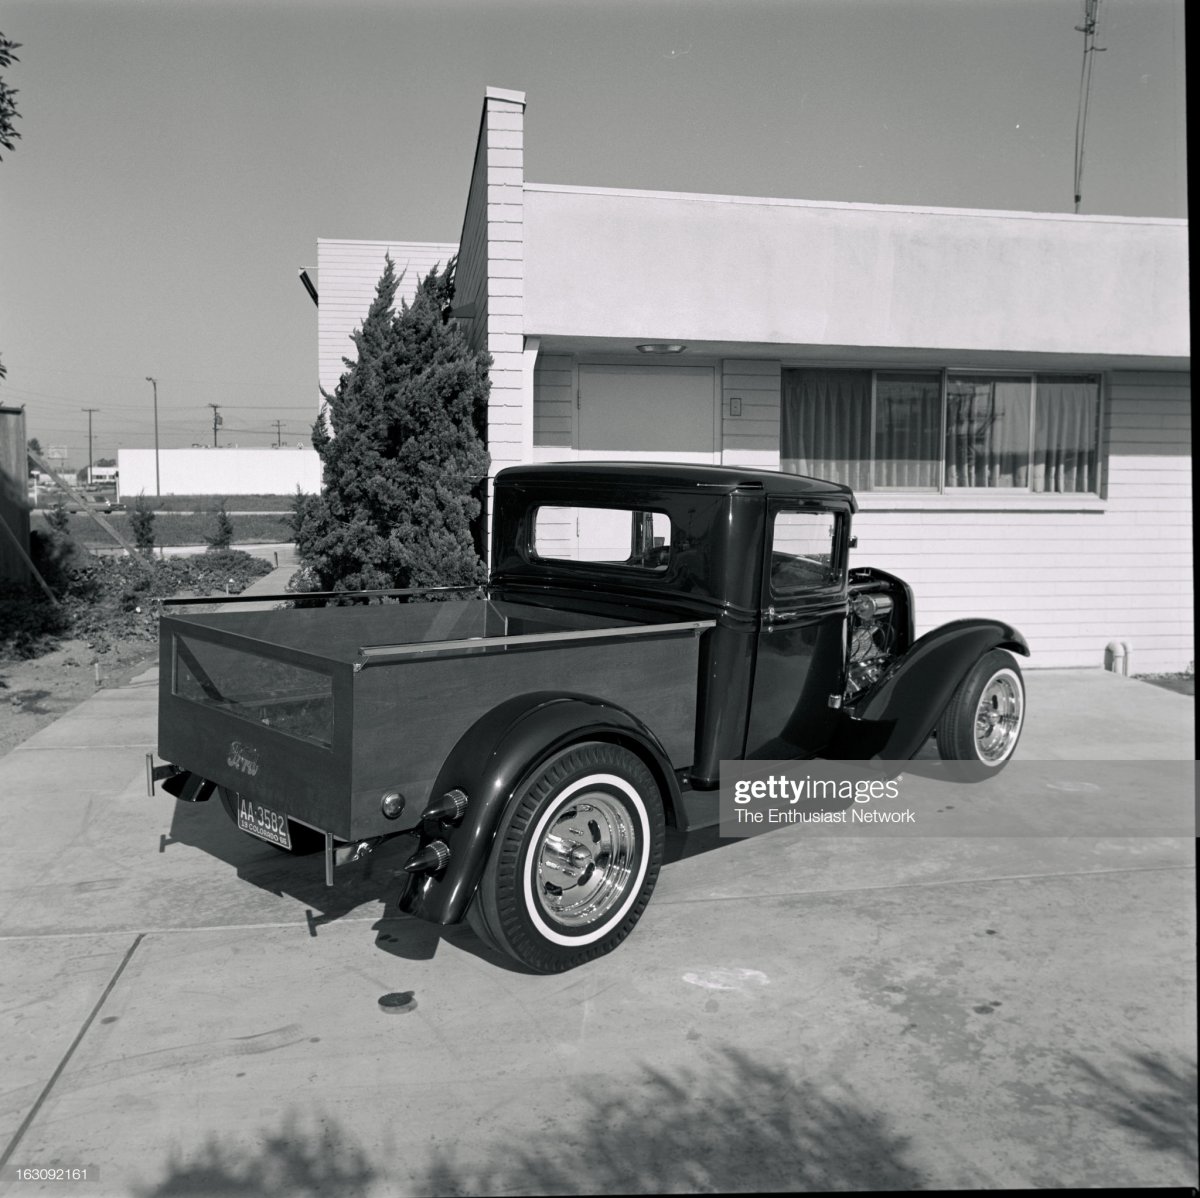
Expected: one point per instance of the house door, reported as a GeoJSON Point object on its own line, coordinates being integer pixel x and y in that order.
{"type": "Point", "coordinates": [666, 411]}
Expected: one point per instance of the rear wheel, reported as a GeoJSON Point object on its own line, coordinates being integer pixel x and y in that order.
{"type": "Point", "coordinates": [575, 859]}
{"type": "Point", "coordinates": [983, 721]}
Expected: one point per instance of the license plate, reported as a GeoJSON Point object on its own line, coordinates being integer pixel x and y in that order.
{"type": "Point", "coordinates": [260, 821]}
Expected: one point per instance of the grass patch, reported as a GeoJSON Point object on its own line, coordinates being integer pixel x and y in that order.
{"type": "Point", "coordinates": [175, 528]}
{"type": "Point", "coordinates": [1181, 684]}
{"type": "Point", "coordinates": [210, 503]}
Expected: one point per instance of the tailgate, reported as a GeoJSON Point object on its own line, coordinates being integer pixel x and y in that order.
{"type": "Point", "coordinates": [269, 721]}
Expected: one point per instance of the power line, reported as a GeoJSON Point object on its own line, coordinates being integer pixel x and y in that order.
{"type": "Point", "coordinates": [70, 399]}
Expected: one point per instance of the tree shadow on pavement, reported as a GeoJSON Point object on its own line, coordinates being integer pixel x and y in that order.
{"type": "Point", "coordinates": [1154, 1100]}
{"type": "Point", "coordinates": [731, 1125]}
{"type": "Point", "coordinates": [293, 1162]}
{"type": "Point", "coordinates": [734, 1126]}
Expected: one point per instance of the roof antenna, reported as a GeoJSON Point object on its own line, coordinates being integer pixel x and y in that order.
{"type": "Point", "coordinates": [1088, 29]}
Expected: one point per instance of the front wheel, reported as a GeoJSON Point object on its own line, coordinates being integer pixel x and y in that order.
{"type": "Point", "coordinates": [575, 859]}
{"type": "Point", "coordinates": [983, 721]}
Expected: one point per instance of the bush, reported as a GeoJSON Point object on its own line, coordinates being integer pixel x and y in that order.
{"type": "Point", "coordinates": [112, 598]}
{"type": "Point", "coordinates": [141, 521]}
{"type": "Point", "coordinates": [209, 573]}
{"type": "Point", "coordinates": [57, 558]}
{"type": "Point", "coordinates": [29, 623]}
{"type": "Point", "coordinates": [222, 535]}
{"type": "Point", "coordinates": [58, 517]}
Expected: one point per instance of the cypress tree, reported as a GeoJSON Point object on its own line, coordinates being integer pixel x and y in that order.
{"type": "Point", "coordinates": [401, 452]}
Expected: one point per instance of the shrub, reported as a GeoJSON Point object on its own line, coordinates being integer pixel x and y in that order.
{"type": "Point", "coordinates": [29, 623]}
{"type": "Point", "coordinates": [209, 573]}
{"type": "Point", "coordinates": [141, 521]}
{"type": "Point", "coordinates": [222, 535]}
{"type": "Point", "coordinates": [56, 558]}
{"type": "Point", "coordinates": [58, 518]}
{"type": "Point", "coordinates": [112, 598]}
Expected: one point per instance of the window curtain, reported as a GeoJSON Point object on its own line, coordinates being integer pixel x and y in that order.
{"type": "Point", "coordinates": [908, 417]}
{"type": "Point", "coordinates": [825, 425]}
{"type": "Point", "coordinates": [1065, 435]}
{"type": "Point", "coordinates": [987, 432]}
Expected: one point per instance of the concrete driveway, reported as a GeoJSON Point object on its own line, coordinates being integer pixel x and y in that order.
{"type": "Point", "coordinates": [185, 1011]}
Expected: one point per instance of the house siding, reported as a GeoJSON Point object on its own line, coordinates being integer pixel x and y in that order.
{"type": "Point", "coordinates": [751, 439]}
{"type": "Point", "coordinates": [471, 276]}
{"type": "Point", "coordinates": [347, 274]}
{"type": "Point", "coordinates": [554, 401]}
{"type": "Point", "coordinates": [510, 408]}
{"type": "Point", "coordinates": [1071, 581]}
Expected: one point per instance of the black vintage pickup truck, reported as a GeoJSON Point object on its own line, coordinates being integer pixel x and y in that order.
{"type": "Point", "coordinates": [642, 623]}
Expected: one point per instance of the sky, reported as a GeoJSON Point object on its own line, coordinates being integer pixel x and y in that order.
{"type": "Point", "coordinates": [179, 158]}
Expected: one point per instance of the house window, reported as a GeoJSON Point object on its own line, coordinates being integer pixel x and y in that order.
{"type": "Point", "coordinates": [943, 431]}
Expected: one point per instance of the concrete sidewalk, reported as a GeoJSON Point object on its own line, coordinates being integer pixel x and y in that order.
{"type": "Point", "coordinates": [187, 1010]}
{"type": "Point", "coordinates": [286, 563]}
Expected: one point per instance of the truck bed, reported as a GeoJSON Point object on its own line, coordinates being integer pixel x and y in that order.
{"type": "Point", "coordinates": [316, 712]}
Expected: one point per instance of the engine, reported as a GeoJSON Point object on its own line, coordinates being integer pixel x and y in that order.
{"type": "Point", "coordinates": [873, 639]}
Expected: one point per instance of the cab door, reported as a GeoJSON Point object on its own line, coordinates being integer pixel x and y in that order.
{"type": "Point", "coordinates": [801, 652]}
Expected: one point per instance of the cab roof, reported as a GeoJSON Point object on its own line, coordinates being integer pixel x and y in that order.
{"type": "Point", "coordinates": [676, 476]}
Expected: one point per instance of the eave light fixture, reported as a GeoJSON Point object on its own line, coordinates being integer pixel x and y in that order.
{"type": "Point", "coordinates": [660, 347]}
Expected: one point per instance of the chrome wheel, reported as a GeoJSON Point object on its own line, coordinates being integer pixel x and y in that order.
{"type": "Point", "coordinates": [585, 859]}
{"type": "Point", "coordinates": [998, 717]}
{"type": "Point", "coordinates": [982, 722]}
{"type": "Point", "coordinates": [574, 860]}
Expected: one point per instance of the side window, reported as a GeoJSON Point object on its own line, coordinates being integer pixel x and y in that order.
{"type": "Point", "coordinates": [602, 536]}
{"type": "Point", "coordinates": [803, 546]}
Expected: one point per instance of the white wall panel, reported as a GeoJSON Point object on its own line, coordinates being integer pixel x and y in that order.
{"type": "Point", "coordinates": [219, 471]}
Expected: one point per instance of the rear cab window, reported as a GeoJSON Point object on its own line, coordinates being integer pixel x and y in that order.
{"type": "Point", "coordinates": [603, 536]}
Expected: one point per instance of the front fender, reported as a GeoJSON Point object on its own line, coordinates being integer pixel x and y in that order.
{"type": "Point", "coordinates": [489, 764]}
{"type": "Point", "coordinates": [894, 719]}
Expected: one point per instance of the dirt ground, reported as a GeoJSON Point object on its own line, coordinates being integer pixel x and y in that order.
{"type": "Point", "coordinates": [35, 692]}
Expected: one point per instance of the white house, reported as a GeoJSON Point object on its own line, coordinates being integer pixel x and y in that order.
{"type": "Point", "coordinates": [1007, 392]}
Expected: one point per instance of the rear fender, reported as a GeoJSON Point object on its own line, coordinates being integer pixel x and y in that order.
{"type": "Point", "coordinates": [489, 764]}
{"type": "Point", "coordinates": [894, 719]}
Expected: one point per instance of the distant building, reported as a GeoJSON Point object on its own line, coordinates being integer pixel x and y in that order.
{"type": "Point", "coordinates": [1008, 392]}
{"type": "Point", "coordinates": [218, 471]}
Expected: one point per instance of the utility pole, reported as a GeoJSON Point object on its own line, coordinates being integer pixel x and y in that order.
{"type": "Point", "coordinates": [1088, 29]}
{"type": "Point", "coordinates": [89, 411]}
{"type": "Point", "coordinates": [278, 432]}
{"type": "Point", "coordinates": [157, 479]}
{"type": "Point", "coordinates": [216, 421]}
